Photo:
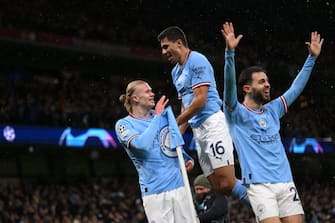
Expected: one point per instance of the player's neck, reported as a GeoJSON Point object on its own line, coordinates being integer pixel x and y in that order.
{"type": "Point", "coordinates": [141, 113]}
{"type": "Point", "coordinates": [251, 104]}
{"type": "Point", "coordinates": [184, 55]}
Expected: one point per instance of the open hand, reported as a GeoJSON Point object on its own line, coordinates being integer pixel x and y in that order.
{"type": "Point", "coordinates": [314, 47]}
{"type": "Point", "coordinates": [160, 105]}
{"type": "Point", "coordinates": [229, 35]}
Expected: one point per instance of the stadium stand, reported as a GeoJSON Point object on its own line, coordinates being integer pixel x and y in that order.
{"type": "Point", "coordinates": [65, 63]}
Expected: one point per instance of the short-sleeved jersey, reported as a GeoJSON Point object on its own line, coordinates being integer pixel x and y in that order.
{"type": "Point", "coordinates": [157, 165]}
{"type": "Point", "coordinates": [256, 133]}
{"type": "Point", "coordinates": [195, 72]}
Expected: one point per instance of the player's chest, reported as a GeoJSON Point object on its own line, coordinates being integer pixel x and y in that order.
{"type": "Point", "coordinates": [182, 78]}
{"type": "Point", "coordinates": [262, 123]}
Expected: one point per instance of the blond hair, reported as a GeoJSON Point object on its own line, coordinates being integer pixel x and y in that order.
{"type": "Point", "coordinates": [125, 98]}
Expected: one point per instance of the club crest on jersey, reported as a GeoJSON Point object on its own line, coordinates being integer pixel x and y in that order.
{"type": "Point", "coordinates": [164, 142]}
{"type": "Point", "coordinates": [262, 123]}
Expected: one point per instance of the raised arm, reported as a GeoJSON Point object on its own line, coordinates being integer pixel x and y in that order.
{"type": "Point", "coordinates": [230, 90]}
{"type": "Point", "coordinates": [299, 83]}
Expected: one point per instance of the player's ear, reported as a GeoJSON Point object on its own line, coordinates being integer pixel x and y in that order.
{"type": "Point", "coordinates": [134, 98]}
{"type": "Point", "coordinates": [179, 42]}
{"type": "Point", "coordinates": [246, 88]}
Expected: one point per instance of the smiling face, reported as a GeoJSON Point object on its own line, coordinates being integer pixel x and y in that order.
{"type": "Point", "coordinates": [172, 50]}
{"type": "Point", "coordinates": [260, 88]}
{"type": "Point", "coordinates": [143, 96]}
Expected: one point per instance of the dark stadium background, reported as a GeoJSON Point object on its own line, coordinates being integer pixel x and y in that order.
{"type": "Point", "coordinates": [64, 63]}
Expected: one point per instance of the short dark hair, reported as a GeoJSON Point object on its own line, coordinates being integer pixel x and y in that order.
{"type": "Point", "coordinates": [173, 33]}
{"type": "Point", "coordinates": [246, 76]}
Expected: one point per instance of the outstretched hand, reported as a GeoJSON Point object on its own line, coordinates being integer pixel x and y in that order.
{"type": "Point", "coordinates": [229, 35]}
{"type": "Point", "coordinates": [314, 47]}
{"type": "Point", "coordinates": [160, 105]}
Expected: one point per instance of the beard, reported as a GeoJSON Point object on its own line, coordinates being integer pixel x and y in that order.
{"type": "Point", "coordinates": [259, 98]}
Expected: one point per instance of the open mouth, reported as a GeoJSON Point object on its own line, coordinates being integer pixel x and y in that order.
{"type": "Point", "coordinates": [169, 56]}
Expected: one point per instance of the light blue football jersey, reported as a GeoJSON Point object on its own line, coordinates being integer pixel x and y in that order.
{"type": "Point", "coordinates": [195, 72]}
{"type": "Point", "coordinates": [256, 133]}
{"type": "Point", "coordinates": [147, 143]}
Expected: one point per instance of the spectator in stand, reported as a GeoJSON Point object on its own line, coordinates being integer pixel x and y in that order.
{"type": "Point", "coordinates": [211, 207]}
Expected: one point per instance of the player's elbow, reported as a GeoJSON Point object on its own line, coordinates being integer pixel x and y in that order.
{"type": "Point", "coordinates": [200, 103]}
{"type": "Point", "coordinates": [139, 144]}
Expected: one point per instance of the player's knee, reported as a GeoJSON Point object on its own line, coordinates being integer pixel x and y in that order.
{"type": "Point", "coordinates": [225, 180]}
{"type": "Point", "coordinates": [225, 187]}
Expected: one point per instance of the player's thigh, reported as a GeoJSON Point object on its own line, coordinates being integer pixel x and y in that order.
{"type": "Point", "coordinates": [204, 162]}
{"type": "Point", "coordinates": [263, 202]}
{"type": "Point", "coordinates": [183, 209]}
{"type": "Point", "coordinates": [159, 207]}
{"type": "Point", "coordinates": [271, 220]}
{"type": "Point", "coordinates": [169, 207]}
{"type": "Point", "coordinates": [214, 145]}
{"type": "Point", "coordinates": [211, 161]}
{"type": "Point", "coordinates": [226, 175]}
{"type": "Point", "coordinates": [299, 218]}
{"type": "Point", "coordinates": [289, 202]}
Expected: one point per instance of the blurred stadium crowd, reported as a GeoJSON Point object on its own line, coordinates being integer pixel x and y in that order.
{"type": "Point", "coordinates": [66, 203]}
{"type": "Point", "coordinates": [70, 99]}
{"type": "Point", "coordinates": [65, 97]}
{"type": "Point", "coordinates": [42, 95]}
{"type": "Point", "coordinates": [110, 202]}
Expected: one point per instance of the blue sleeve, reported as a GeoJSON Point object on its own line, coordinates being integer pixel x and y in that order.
{"type": "Point", "coordinates": [300, 81]}
{"type": "Point", "coordinates": [129, 136]}
{"type": "Point", "coordinates": [146, 139]}
{"type": "Point", "coordinates": [230, 90]}
{"type": "Point", "coordinates": [200, 69]}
